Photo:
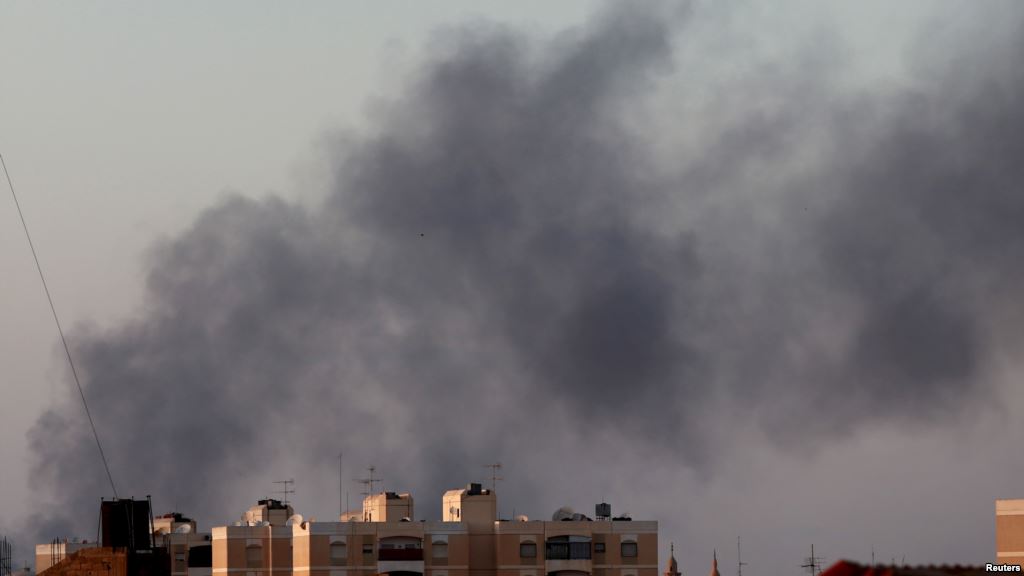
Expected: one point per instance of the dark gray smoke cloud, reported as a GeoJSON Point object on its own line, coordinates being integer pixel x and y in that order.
{"type": "Point", "coordinates": [503, 266]}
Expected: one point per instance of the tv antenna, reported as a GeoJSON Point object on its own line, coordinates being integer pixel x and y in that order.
{"type": "Point", "coordinates": [342, 503]}
{"type": "Point", "coordinates": [495, 469]}
{"type": "Point", "coordinates": [812, 563]}
{"type": "Point", "coordinates": [739, 562]}
{"type": "Point", "coordinates": [369, 481]}
{"type": "Point", "coordinates": [286, 490]}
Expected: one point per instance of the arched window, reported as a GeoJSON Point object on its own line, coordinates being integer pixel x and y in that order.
{"type": "Point", "coordinates": [628, 549]}
{"type": "Point", "coordinates": [527, 549]}
{"type": "Point", "coordinates": [339, 553]}
{"type": "Point", "coordinates": [439, 549]}
{"type": "Point", "coordinates": [254, 556]}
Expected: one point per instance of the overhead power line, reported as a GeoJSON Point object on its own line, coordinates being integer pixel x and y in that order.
{"type": "Point", "coordinates": [60, 330]}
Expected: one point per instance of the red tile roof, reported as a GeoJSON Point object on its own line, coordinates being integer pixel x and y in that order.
{"type": "Point", "coordinates": [847, 568]}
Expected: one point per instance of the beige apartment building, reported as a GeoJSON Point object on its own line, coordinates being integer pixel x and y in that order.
{"type": "Point", "coordinates": [52, 553]}
{"type": "Point", "coordinates": [261, 543]}
{"type": "Point", "coordinates": [470, 540]}
{"type": "Point", "coordinates": [189, 550]}
{"type": "Point", "coordinates": [1010, 531]}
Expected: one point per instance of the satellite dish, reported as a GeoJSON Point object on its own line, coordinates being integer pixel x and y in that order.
{"type": "Point", "coordinates": [563, 513]}
{"type": "Point", "coordinates": [183, 529]}
{"type": "Point", "coordinates": [265, 523]}
{"type": "Point", "coordinates": [238, 523]}
{"type": "Point", "coordinates": [293, 520]}
{"type": "Point", "coordinates": [522, 518]}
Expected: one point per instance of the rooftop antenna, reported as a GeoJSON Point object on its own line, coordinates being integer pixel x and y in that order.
{"type": "Point", "coordinates": [286, 490]}
{"type": "Point", "coordinates": [341, 485]}
{"type": "Point", "coordinates": [495, 468]}
{"type": "Point", "coordinates": [813, 563]}
{"type": "Point", "coordinates": [872, 554]}
{"type": "Point", "coordinates": [739, 562]}
{"type": "Point", "coordinates": [369, 481]}
{"type": "Point", "coordinates": [5, 557]}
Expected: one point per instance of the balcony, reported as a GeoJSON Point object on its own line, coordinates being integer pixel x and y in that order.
{"type": "Point", "coordinates": [568, 555]}
{"type": "Point", "coordinates": [400, 555]}
{"type": "Point", "coordinates": [569, 567]}
{"type": "Point", "coordinates": [564, 550]}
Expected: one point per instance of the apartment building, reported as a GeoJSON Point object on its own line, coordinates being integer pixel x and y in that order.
{"type": "Point", "coordinates": [1010, 531]}
{"type": "Point", "coordinates": [261, 543]}
{"type": "Point", "coordinates": [469, 541]}
{"type": "Point", "coordinates": [189, 551]}
{"type": "Point", "coordinates": [53, 553]}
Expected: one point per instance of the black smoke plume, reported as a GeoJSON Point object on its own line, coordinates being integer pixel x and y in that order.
{"type": "Point", "coordinates": [506, 263]}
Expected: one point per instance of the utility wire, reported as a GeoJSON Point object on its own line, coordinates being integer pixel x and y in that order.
{"type": "Point", "coordinates": [53, 309]}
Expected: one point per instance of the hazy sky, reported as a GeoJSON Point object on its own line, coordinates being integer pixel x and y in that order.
{"type": "Point", "coordinates": [741, 269]}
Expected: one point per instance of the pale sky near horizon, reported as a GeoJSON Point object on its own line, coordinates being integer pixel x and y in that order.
{"type": "Point", "coordinates": [120, 123]}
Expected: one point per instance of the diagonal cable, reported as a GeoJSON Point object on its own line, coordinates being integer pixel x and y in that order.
{"type": "Point", "coordinates": [60, 330]}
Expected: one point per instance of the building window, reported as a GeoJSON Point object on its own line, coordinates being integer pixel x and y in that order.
{"type": "Point", "coordinates": [527, 550]}
{"type": "Point", "coordinates": [254, 556]}
{"type": "Point", "coordinates": [568, 548]}
{"type": "Point", "coordinates": [367, 548]}
{"type": "Point", "coordinates": [629, 549]}
{"type": "Point", "coordinates": [599, 547]}
{"type": "Point", "coordinates": [439, 550]}
{"type": "Point", "coordinates": [339, 553]}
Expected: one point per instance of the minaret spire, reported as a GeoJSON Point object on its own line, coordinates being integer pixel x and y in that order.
{"type": "Point", "coordinates": [673, 567]}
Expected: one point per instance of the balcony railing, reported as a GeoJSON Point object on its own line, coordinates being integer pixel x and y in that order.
{"type": "Point", "coordinates": [567, 551]}
{"type": "Point", "coordinates": [400, 554]}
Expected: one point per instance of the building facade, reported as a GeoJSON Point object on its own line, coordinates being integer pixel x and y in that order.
{"type": "Point", "coordinates": [1010, 531]}
{"type": "Point", "coordinates": [53, 553]}
{"type": "Point", "coordinates": [189, 551]}
{"type": "Point", "coordinates": [261, 543]}
{"type": "Point", "coordinates": [469, 541]}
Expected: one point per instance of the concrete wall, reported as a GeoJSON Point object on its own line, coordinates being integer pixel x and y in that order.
{"type": "Point", "coordinates": [91, 562]}
{"type": "Point", "coordinates": [48, 554]}
{"type": "Point", "coordinates": [272, 545]}
{"type": "Point", "coordinates": [1010, 531]}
